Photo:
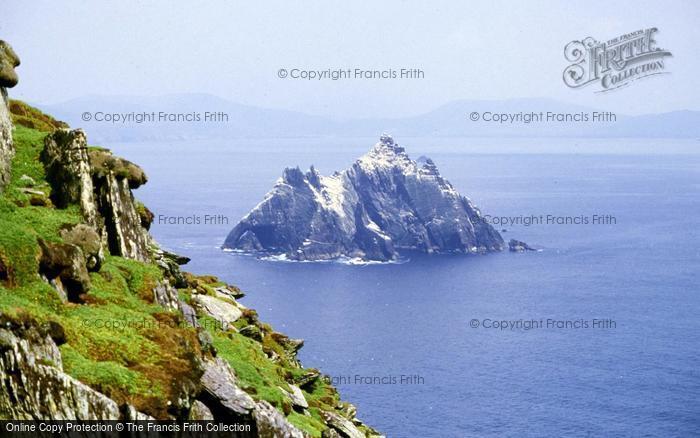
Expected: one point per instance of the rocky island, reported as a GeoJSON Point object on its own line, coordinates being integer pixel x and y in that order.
{"type": "Point", "coordinates": [383, 204]}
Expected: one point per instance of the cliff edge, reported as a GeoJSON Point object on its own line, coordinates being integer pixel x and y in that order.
{"type": "Point", "coordinates": [97, 322]}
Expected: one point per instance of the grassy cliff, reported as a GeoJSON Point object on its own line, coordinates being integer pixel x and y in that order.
{"type": "Point", "coordinates": [118, 340]}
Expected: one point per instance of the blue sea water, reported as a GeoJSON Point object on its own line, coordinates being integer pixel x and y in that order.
{"type": "Point", "coordinates": [636, 376]}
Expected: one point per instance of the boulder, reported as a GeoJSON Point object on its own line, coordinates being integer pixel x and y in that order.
{"type": "Point", "coordinates": [343, 425]}
{"type": "Point", "coordinates": [271, 423]}
{"type": "Point", "coordinates": [189, 314]}
{"type": "Point", "coordinates": [296, 396]}
{"type": "Point", "coordinates": [39, 200]}
{"type": "Point", "coordinates": [63, 265]}
{"type": "Point", "coordinates": [252, 331]}
{"type": "Point", "coordinates": [330, 433]}
{"type": "Point", "coordinates": [290, 345]}
{"type": "Point", "coordinates": [221, 392]}
{"type": "Point", "coordinates": [224, 312]}
{"type": "Point", "coordinates": [518, 246]}
{"type": "Point", "coordinates": [230, 292]}
{"type": "Point", "coordinates": [307, 379]}
{"type": "Point", "coordinates": [170, 264]}
{"type": "Point", "coordinates": [130, 413]}
{"type": "Point", "coordinates": [8, 61]}
{"type": "Point", "coordinates": [27, 181]}
{"type": "Point", "coordinates": [89, 241]}
{"type": "Point", "coordinates": [200, 411]}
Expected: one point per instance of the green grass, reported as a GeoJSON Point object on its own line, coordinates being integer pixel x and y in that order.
{"type": "Point", "coordinates": [106, 374]}
{"type": "Point", "coordinates": [20, 223]}
{"type": "Point", "coordinates": [310, 424]}
{"type": "Point", "coordinates": [256, 373]}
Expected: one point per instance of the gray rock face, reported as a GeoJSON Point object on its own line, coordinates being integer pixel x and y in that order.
{"type": "Point", "coordinates": [65, 158]}
{"type": "Point", "coordinates": [296, 396]}
{"type": "Point", "coordinates": [166, 295]}
{"type": "Point", "coordinates": [383, 204]}
{"type": "Point", "coordinates": [270, 423]}
{"type": "Point", "coordinates": [34, 385]}
{"type": "Point", "coordinates": [126, 237]}
{"type": "Point", "coordinates": [221, 392]}
{"type": "Point", "coordinates": [224, 312]}
{"type": "Point", "coordinates": [342, 425]}
{"type": "Point", "coordinates": [200, 411]}
{"type": "Point", "coordinates": [101, 184]}
{"type": "Point", "coordinates": [8, 79]}
{"type": "Point", "coordinates": [6, 148]}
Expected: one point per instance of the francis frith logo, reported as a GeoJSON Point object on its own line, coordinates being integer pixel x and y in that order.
{"type": "Point", "coordinates": [614, 63]}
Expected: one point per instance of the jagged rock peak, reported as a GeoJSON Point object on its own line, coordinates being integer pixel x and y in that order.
{"type": "Point", "coordinates": [8, 61]}
{"type": "Point", "coordinates": [384, 203]}
{"type": "Point", "coordinates": [8, 78]}
{"type": "Point", "coordinates": [387, 144]}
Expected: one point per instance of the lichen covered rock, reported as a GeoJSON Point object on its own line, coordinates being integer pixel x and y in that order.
{"type": "Point", "coordinates": [88, 240]}
{"type": "Point", "coordinates": [221, 393]}
{"type": "Point", "coordinates": [34, 385]}
{"type": "Point", "coordinates": [8, 78]}
{"type": "Point", "coordinates": [8, 61]}
{"type": "Point", "coordinates": [63, 265]}
{"type": "Point", "coordinates": [68, 171]}
{"type": "Point", "coordinates": [222, 311]}
{"type": "Point", "coordinates": [116, 205]}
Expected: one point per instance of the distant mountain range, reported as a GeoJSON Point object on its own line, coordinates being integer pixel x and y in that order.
{"type": "Point", "coordinates": [449, 120]}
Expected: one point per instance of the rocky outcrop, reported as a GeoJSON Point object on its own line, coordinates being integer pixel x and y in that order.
{"type": "Point", "coordinates": [8, 78]}
{"type": "Point", "coordinates": [63, 266]}
{"type": "Point", "coordinates": [8, 61]}
{"type": "Point", "coordinates": [296, 397]}
{"type": "Point", "coordinates": [221, 392]}
{"type": "Point", "coordinates": [34, 385]}
{"type": "Point", "coordinates": [200, 411]}
{"type": "Point", "coordinates": [519, 246]}
{"type": "Point", "coordinates": [383, 204]}
{"type": "Point", "coordinates": [170, 264]}
{"type": "Point", "coordinates": [221, 310]}
{"type": "Point", "coordinates": [194, 361]}
{"type": "Point", "coordinates": [101, 184]}
{"type": "Point", "coordinates": [270, 423]}
{"type": "Point", "coordinates": [166, 295]}
{"type": "Point", "coordinates": [65, 159]}
{"type": "Point", "coordinates": [342, 425]}
{"type": "Point", "coordinates": [114, 178]}
{"type": "Point", "coordinates": [88, 240]}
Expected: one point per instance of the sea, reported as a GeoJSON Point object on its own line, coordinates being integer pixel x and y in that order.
{"type": "Point", "coordinates": [595, 334]}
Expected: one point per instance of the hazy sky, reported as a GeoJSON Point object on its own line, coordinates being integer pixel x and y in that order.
{"type": "Point", "coordinates": [233, 49]}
